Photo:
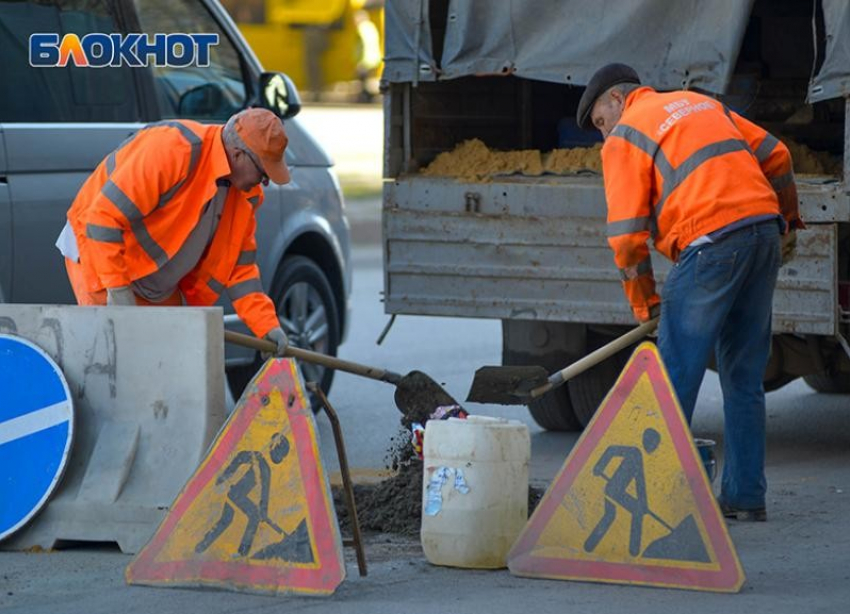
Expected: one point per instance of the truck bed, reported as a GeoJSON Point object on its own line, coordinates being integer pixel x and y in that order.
{"type": "Point", "coordinates": [535, 248]}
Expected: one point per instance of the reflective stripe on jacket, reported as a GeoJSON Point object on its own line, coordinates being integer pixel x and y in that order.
{"type": "Point", "coordinates": [138, 207]}
{"type": "Point", "coordinates": [678, 166]}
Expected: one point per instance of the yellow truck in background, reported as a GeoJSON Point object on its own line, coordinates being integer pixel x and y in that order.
{"type": "Point", "coordinates": [332, 49]}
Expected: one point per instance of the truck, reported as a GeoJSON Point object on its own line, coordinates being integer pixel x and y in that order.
{"type": "Point", "coordinates": [527, 246]}
{"type": "Point", "coordinates": [317, 43]}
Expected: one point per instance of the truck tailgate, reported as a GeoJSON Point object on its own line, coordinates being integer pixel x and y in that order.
{"type": "Point", "coordinates": [535, 249]}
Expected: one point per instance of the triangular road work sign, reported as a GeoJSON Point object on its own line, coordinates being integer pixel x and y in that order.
{"type": "Point", "coordinates": [257, 515]}
{"type": "Point", "coordinates": [632, 503]}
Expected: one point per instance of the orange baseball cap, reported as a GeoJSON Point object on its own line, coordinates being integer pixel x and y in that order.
{"type": "Point", "coordinates": [262, 132]}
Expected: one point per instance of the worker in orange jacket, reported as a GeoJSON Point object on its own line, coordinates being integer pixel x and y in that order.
{"type": "Point", "coordinates": [168, 218]}
{"type": "Point", "coordinates": [716, 194]}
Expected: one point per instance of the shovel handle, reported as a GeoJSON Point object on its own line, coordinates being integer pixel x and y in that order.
{"type": "Point", "coordinates": [331, 362]}
{"type": "Point", "coordinates": [595, 357]}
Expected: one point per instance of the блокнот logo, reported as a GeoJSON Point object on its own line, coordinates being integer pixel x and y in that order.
{"type": "Point", "coordinates": [97, 50]}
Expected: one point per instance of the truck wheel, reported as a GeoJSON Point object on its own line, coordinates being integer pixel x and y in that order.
{"type": "Point", "coordinates": [554, 411]}
{"type": "Point", "coordinates": [775, 383]}
{"type": "Point", "coordinates": [588, 390]}
{"type": "Point", "coordinates": [541, 343]}
{"type": "Point", "coordinates": [308, 313]}
{"type": "Point", "coordinates": [828, 382]}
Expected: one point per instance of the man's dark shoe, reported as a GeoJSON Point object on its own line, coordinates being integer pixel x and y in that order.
{"type": "Point", "coordinates": [758, 514]}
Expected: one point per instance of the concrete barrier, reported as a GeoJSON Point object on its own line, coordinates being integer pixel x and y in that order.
{"type": "Point", "coordinates": [149, 394]}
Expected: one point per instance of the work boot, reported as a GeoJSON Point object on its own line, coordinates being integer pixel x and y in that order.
{"type": "Point", "coordinates": [758, 514]}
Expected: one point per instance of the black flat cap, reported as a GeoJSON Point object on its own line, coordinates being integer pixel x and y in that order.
{"type": "Point", "coordinates": [607, 76]}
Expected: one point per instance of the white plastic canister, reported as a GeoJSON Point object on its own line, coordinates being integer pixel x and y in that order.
{"type": "Point", "coordinates": [474, 490]}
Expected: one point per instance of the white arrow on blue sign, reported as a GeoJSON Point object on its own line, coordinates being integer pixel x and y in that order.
{"type": "Point", "coordinates": [36, 430]}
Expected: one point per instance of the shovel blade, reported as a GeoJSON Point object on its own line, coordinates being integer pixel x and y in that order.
{"type": "Point", "coordinates": [417, 396]}
{"type": "Point", "coordinates": [506, 385]}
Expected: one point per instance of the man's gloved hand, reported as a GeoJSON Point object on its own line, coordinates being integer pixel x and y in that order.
{"type": "Point", "coordinates": [122, 295]}
{"type": "Point", "coordinates": [789, 246]}
{"type": "Point", "coordinates": [279, 337]}
{"type": "Point", "coordinates": [642, 316]}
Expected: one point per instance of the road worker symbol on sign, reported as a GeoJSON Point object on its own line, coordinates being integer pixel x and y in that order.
{"type": "Point", "coordinates": [257, 514]}
{"type": "Point", "coordinates": [629, 474]}
{"type": "Point", "coordinates": [632, 503]}
{"type": "Point", "coordinates": [255, 479]}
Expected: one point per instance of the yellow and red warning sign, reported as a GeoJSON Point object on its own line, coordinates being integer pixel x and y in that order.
{"type": "Point", "coordinates": [632, 503]}
{"type": "Point", "coordinates": [257, 515]}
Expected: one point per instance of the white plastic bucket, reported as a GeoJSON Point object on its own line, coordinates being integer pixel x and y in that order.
{"type": "Point", "coordinates": [474, 490]}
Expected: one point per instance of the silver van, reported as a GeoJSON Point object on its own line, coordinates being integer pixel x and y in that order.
{"type": "Point", "coordinates": [56, 124]}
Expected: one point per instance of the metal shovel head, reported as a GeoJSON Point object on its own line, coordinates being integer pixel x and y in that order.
{"type": "Point", "coordinates": [506, 385]}
{"type": "Point", "coordinates": [417, 396]}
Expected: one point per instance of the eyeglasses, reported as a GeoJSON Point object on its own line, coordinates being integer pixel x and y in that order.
{"type": "Point", "coordinates": [264, 179]}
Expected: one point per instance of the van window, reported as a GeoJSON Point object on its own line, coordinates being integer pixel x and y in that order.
{"type": "Point", "coordinates": [70, 93]}
{"type": "Point", "coordinates": [214, 92]}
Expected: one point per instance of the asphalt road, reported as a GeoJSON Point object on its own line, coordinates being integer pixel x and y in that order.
{"type": "Point", "coordinates": [796, 562]}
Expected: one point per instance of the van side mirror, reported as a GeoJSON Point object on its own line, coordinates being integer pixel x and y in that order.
{"type": "Point", "coordinates": [278, 94]}
{"type": "Point", "coordinates": [204, 100]}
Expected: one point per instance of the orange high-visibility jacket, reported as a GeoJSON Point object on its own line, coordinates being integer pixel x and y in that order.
{"type": "Point", "coordinates": [138, 207]}
{"type": "Point", "coordinates": [678, 166]}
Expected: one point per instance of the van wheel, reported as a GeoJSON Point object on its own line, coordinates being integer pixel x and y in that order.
{"type": "Point", "coordinates": [308, 313]}
{"type": "Point", "coordinates": [589, 389]}
{"type": "Point", "coordinates": [828, 382]}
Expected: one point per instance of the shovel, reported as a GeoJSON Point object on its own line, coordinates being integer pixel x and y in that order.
{"type": "Point", "coordinates": [416, 394]}
{"type": "Point", "coordinates": [519, 385]}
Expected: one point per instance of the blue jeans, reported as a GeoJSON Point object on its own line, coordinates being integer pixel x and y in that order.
{"type": "Point", "coordinates": [718, 297]}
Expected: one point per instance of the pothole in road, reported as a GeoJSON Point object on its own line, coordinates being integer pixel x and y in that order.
{"type": "Point", "coordinates": [394, 505]}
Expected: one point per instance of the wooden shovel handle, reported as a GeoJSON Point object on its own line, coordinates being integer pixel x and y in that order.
{"type": "Point", "coordinates": [595, 357]}
{"type": "Point", "coordinates": [263, 345]}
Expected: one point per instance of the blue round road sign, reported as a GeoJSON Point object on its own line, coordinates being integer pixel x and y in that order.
{"type": "Point", "coordinates": [36, 429]}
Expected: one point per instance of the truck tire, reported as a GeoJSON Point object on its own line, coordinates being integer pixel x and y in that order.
{"type": "Point", "coordinates": [309, 315]}
{"type": "Point", "coordinates": [552, 411]}
{"type": "Point", "coordinates": [588, 390]}
{"type": "Point", "coordinates": [828, 382]}
{"type": "Point", "coordinates": [783, 379]}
